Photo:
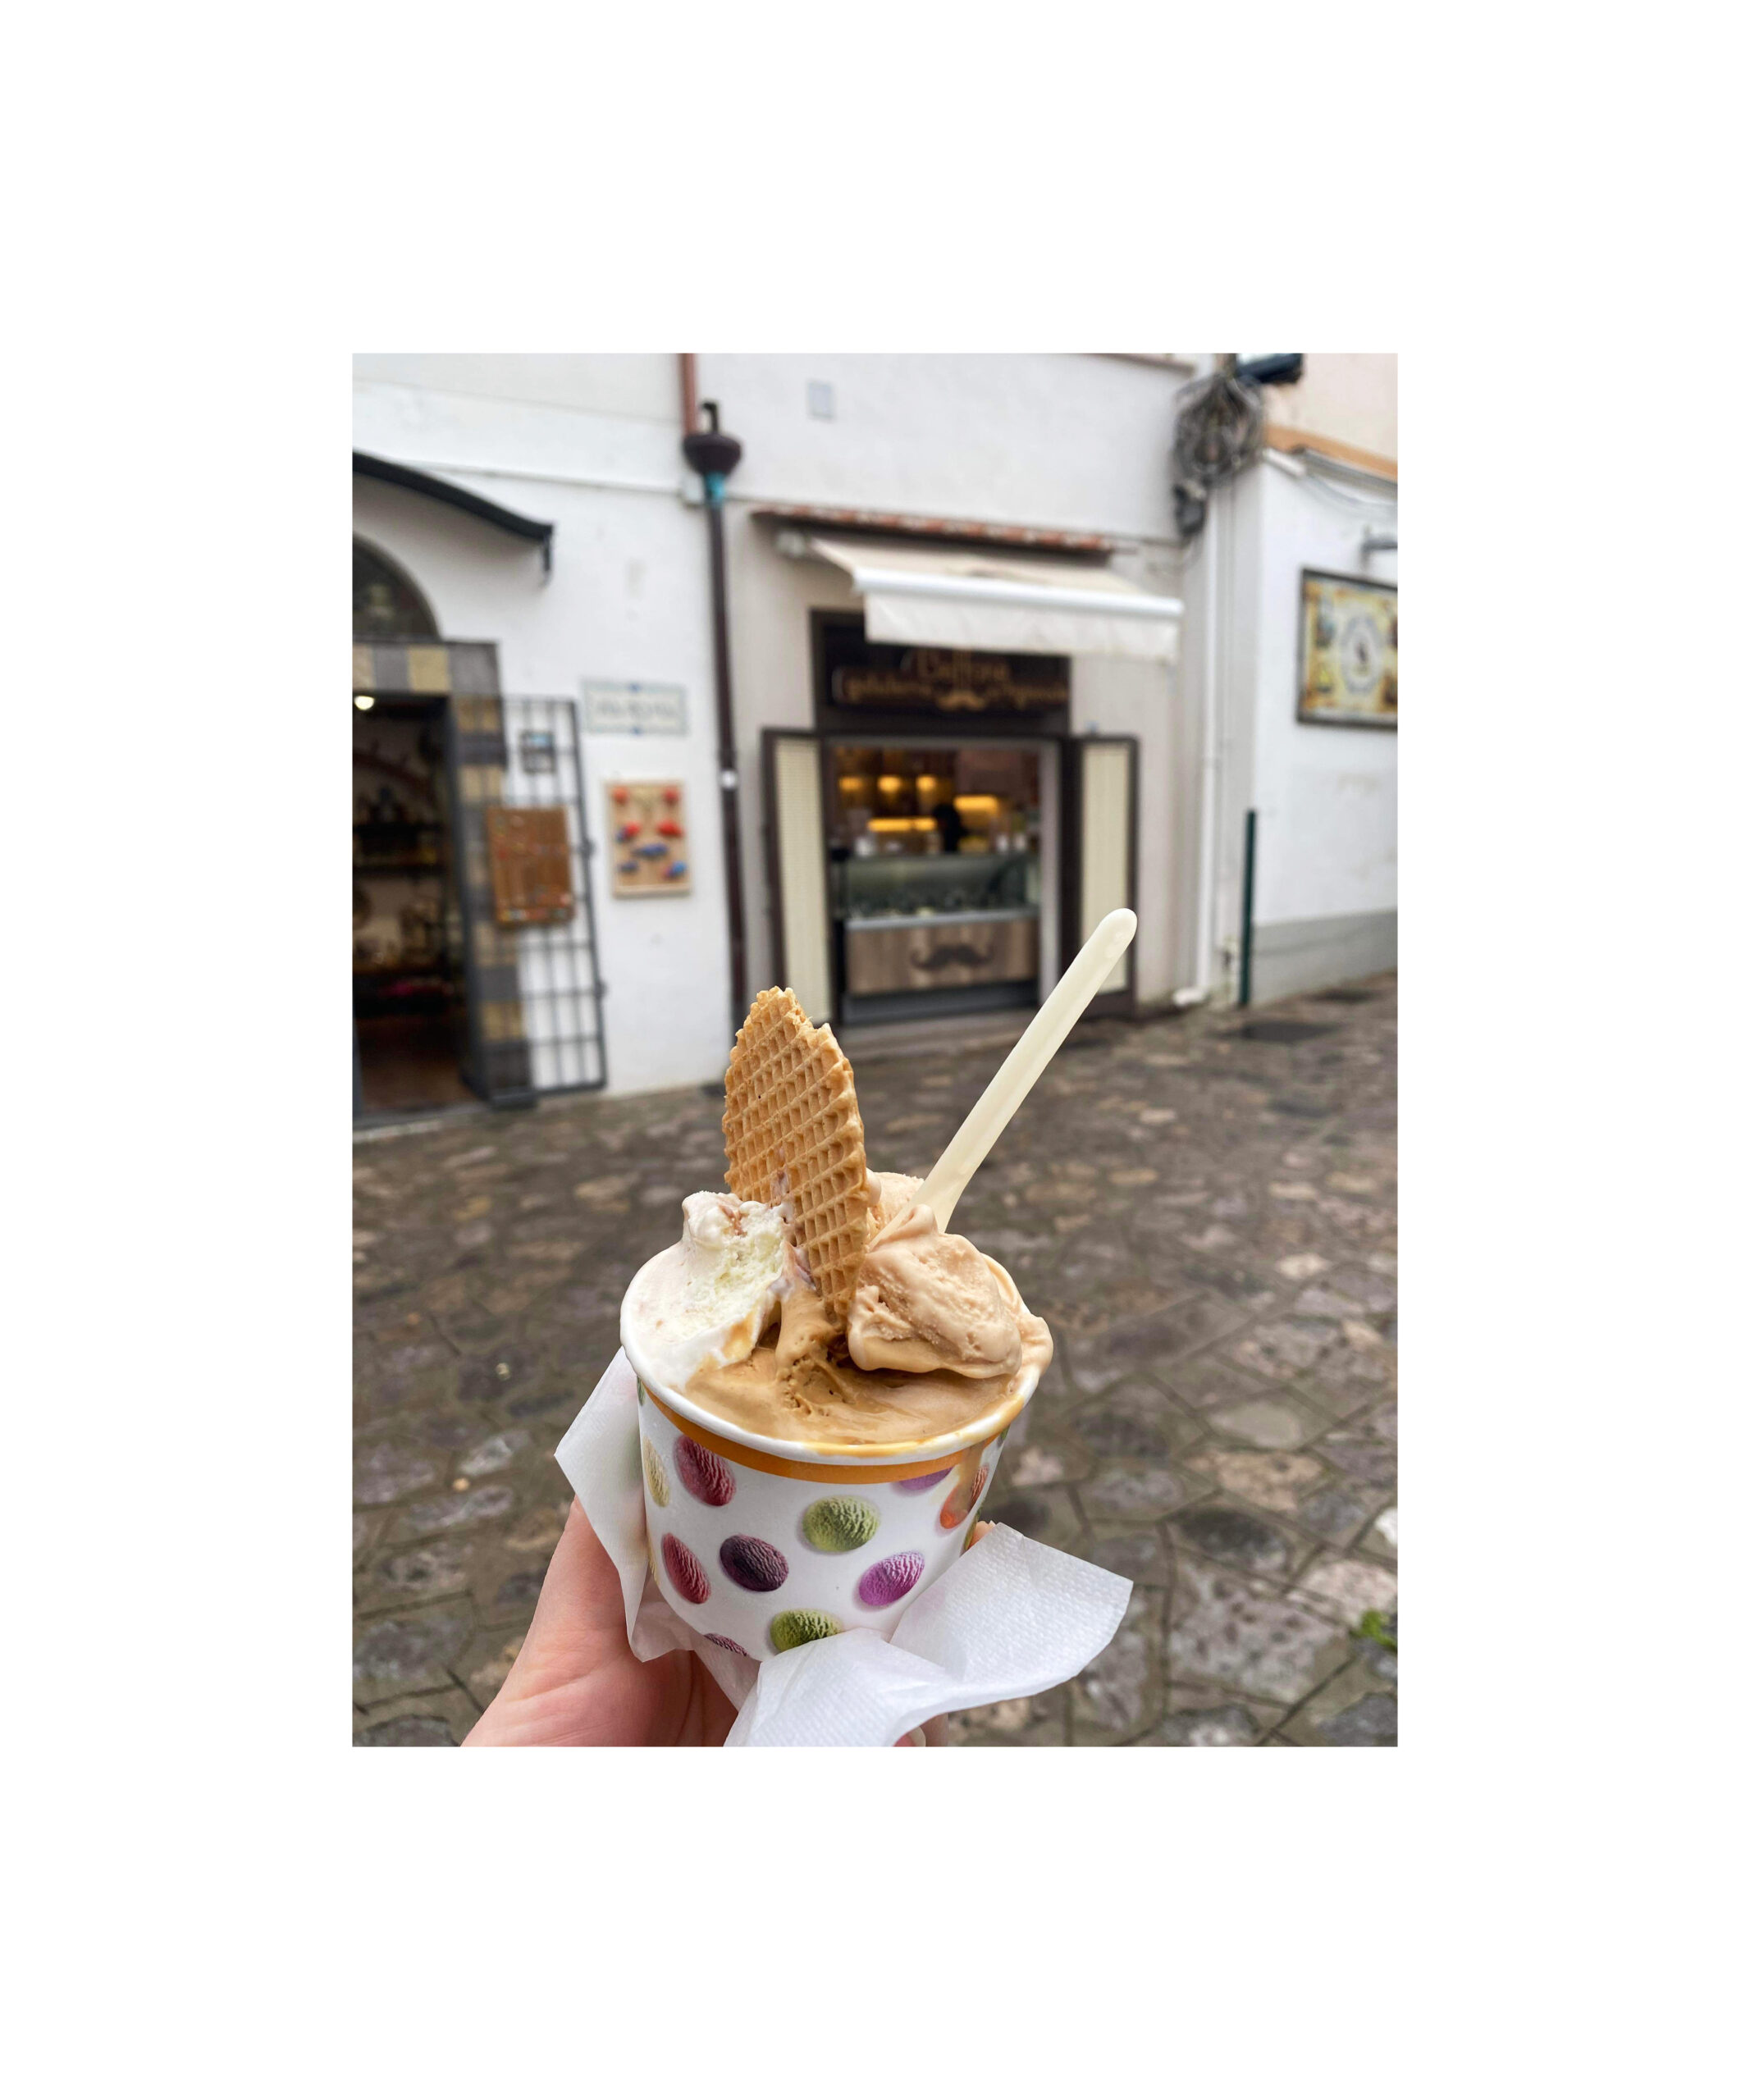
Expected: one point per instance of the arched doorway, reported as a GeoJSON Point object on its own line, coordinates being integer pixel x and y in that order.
{"type": "Point", "coordinates": [409, 1002]}
{"type": "Point", "coordinates": [387, 604]}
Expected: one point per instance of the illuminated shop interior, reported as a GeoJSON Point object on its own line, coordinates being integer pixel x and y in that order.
{"type": "Point", "coordinates": [936, 881]}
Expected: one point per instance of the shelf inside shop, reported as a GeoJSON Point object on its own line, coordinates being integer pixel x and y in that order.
{"type": "Point", "coordinates": [965, 857]}
{"type": "Point", "coordinates": [882, 920]}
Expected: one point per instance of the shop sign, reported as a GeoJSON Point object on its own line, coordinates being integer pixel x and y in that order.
{"type": "Point", "coordinates": [633, 710]}
{"type": "Point", "coordinates": [883, 678]}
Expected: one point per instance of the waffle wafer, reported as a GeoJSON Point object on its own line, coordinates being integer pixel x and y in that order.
{"type": "Point", "coordinates": [792, 1134]}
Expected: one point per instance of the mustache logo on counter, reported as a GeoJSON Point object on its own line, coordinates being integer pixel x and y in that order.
{"type": "Point", "coordinates": [951, 954]}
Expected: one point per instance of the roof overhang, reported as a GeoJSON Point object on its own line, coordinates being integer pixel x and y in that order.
{"type": "Point", "coordinates": [837, 523]}
{"type": "Point", "coordinates": [949, 599]}
{"type": "Point", "coordinates": [533, 529]}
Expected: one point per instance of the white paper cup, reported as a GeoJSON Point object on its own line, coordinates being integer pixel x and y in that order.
{"type": "Point", "coordinates": [761, 1544]}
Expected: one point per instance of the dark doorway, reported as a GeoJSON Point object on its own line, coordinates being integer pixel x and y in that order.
{"type": "Point", "coordinates": [409, 1008]}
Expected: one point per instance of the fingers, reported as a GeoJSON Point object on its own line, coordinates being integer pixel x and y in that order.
{"type": "Point", "coordinates": [580, 1617]}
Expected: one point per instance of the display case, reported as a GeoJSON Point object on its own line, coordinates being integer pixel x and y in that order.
{"type": "Point", "coordinates": [938, 923]}
{"type": "Point", "coordinates": [926, 886]}
{"type": "Point", "coordinates": [935, 877]}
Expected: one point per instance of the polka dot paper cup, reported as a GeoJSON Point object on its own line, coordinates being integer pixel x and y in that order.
{"type": "Point", "coordinates": [761, 1544]}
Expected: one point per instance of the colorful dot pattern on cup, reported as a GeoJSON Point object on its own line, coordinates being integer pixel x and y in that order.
{"type": "Point", "coordinates": [889, 1580]}
{"type": "Point", "coordinates": [795, 1629]}
{"type": "Point", "coordinates": [753, 1564]}
{"type": "Point", "coordinates": [655, 1476]}
{"type": "Point", "coordinates": [923, 1483]}
{"type": "Point", "coordinates": [961, 1501]}
{"type": "Point", "coordinates": [703, 1474]}
{"type": "Point", "coordinates": [722, 1640]}
{"type": "Point", "coordinates": [839, 1523]}
{"type": "Point", "coordinates": [686, 1571]}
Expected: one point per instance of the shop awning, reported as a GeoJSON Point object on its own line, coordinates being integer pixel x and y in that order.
{"type": "Point", "coordinates": [965, 599]}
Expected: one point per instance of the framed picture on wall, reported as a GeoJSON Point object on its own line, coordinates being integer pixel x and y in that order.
{"type": "Point", "coordinates": [1348, 651]}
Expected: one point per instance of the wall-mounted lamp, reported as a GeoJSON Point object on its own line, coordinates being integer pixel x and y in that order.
{"type": "Point", "coordinates": [364, 702]}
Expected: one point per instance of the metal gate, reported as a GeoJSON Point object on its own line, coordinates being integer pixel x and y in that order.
{"type": "Point", "coordinates": [534, 992]}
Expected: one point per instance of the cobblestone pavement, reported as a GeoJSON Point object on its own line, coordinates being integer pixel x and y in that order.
{"type": "Point", "coordinates": [1205, 1216]}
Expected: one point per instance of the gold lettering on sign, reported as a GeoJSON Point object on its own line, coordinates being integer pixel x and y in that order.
{"type": "Point", "coordinates": [954, 681]}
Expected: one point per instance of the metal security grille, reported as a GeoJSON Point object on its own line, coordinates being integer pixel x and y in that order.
{"type": "Point", "coordinates": [498, 1064]}
{"type": "Point", "coordinates": [557, 974]}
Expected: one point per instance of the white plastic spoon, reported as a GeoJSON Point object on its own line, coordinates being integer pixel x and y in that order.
{"type": "Point", "coordinates": [1021, 1069]}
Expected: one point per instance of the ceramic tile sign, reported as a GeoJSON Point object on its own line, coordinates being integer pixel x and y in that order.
{"type": "Point", "coordinates": [652, 855]}
{"type": "Point", "coordinates": [633, 710]}
{"type": "Point", "coordinates": [1348, 651]}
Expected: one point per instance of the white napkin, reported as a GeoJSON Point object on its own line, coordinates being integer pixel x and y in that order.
{"type": "Point", "coordinates": [1009, 1618]}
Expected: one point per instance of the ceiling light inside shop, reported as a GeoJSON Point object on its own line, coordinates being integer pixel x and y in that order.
{"type": "Point", "coordinates": [890, 783]}
{"type": "Point", "coordinates": [971, 804]}
{"type": "Point", "coordinates": [364, 702]}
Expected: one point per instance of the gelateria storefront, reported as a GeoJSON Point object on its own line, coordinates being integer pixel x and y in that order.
{"type": "Point", "coordinates": [942, 841]}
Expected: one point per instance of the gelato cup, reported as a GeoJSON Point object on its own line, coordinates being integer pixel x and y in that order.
{"type": "Point", "coordinates": [761, 1544]}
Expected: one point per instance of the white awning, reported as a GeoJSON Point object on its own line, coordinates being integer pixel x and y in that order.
{"type": "Point", "coordinates": [962, 598]}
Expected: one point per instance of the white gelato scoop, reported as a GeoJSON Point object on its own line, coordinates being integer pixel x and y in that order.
{"type": "Point", "coordinates": [706, 1301]}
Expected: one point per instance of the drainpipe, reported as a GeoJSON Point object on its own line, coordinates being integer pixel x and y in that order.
{"type": "Point", "coordinates": [714, 456]}
{"type": "Point", "coordinates": [1207, 871]}
{"type": "Point", "coordinates": [689, 365]}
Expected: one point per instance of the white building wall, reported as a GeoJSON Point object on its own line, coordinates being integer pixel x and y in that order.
{"type": "Point", "coordinates": [1325, 906]}
{"type": "Point", "coordinates": [614, 420]}
{"type": "Point", "coordinates": [629, 599]}
{"type": "Point", "coordinates": [1073, 442]}
{"type": "Point", "coordinates": [772, 666]}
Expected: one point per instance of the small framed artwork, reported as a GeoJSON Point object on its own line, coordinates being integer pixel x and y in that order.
{"type": "Point", "coordinates": [1348, 651]}
{"type": "Point", "coordinates": [538, 751]}
{"type": "Point", "coordinates": [651, 855]}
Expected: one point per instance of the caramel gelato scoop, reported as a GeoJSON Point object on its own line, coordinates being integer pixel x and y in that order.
{"type": "Point", "coordinates": [928, 1301]}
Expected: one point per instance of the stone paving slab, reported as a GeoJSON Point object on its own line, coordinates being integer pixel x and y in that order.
{"type": "Point", "coordinates": [1207, 1220]}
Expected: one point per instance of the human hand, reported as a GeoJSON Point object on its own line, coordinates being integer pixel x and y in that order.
{"type": "Point", "coordinates": [575, 1681]}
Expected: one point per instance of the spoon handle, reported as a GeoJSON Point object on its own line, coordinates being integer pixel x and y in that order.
{"type": "Point", "coordinates": [1015, 1078]}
